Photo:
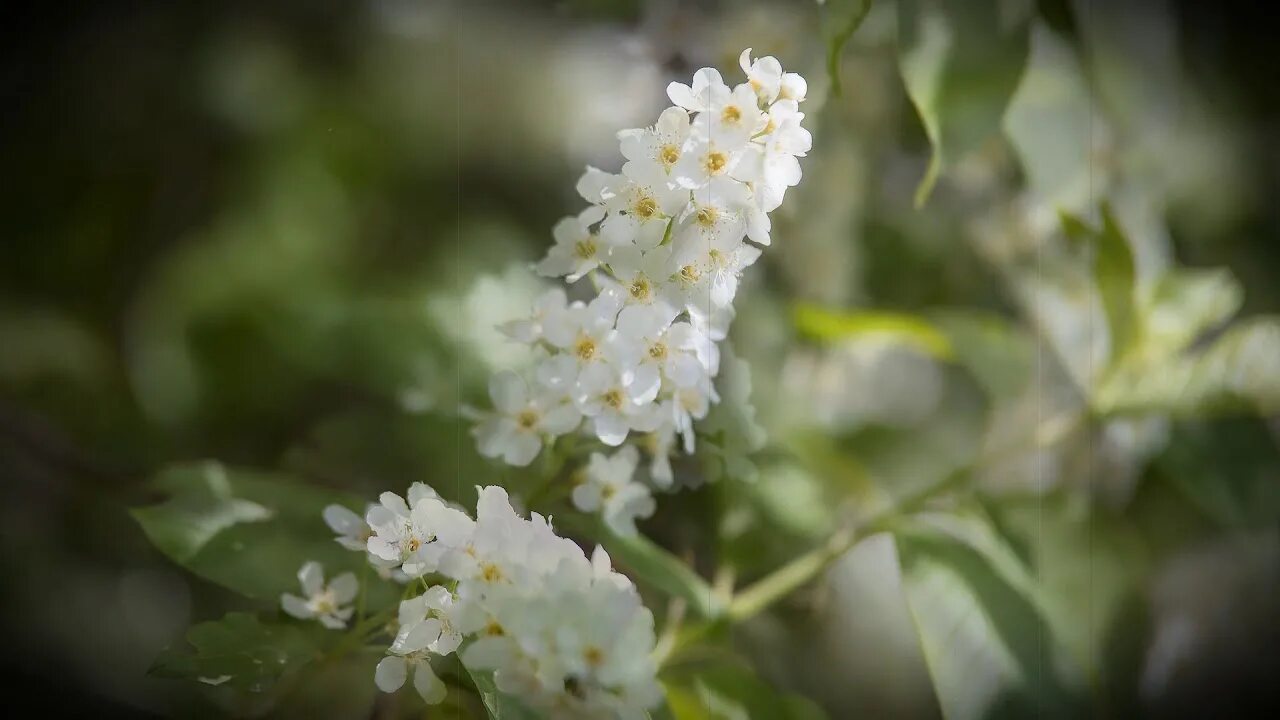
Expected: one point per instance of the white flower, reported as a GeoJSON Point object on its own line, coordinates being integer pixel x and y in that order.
{"type": "Point", "coordinates": [320, 601]}
{"type": "Point", "coordinates": [657, 445]}
{"type": "Point", "coordinates": [650, 338]}
{"type": "Point", "coordinates": [658, 147]}
{"type": "Point", "coordinates": [551, 312]}
{"type": "Point", "coordinates": [640, 202]}
{"type": "Point", "coordinates": [427, 622]}
{"type": "Point", "coordinates": [353, 531]}
{"type": "Point", "coordinates": [764, 75]}
{"type": "Point", "coordinates": [642, 276]}
{"type": "Point", "coordinates": [522, 421]}
{"type": "Point", "coordinates": [577, 250]}
{"type": "Point", "coordinates": [393, 670]}
{"type": "Point", "coordinates": [708, 87]}
{"type": "Point", "coordinates": [731, 119]}
{"type": "Point", "coordinates": [615, 399]}
{"type": "Point", "coordinates": [609, 487]}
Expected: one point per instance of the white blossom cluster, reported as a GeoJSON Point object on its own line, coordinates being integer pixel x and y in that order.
{"type": "Point", "coordinates": [663, 243]}
{"type": "Point", "coordinates": [563, 634]}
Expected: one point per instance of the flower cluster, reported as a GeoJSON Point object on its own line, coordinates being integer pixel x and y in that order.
{"type": "Point", "coordinates": [561, 632]}
{"type": "Point", "coordinates": [663, 243]}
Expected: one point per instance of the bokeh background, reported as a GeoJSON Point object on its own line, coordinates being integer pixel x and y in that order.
{"type": "Point", "coordinates": [279, 233]}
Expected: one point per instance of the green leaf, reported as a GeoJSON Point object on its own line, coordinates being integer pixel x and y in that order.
{"type": "Point", "coordinates": [840, 20]}
{"type": "Point", "coordinates": [983, 634]}
{"type": "Point", "coordinates": [997, 353]}
{"type": "Point", "coordinates": [1051, 123]}
{"type": "Point", "coordinates": [732, 691]}
{"type": "Point", "coordinates": [830, 325]}
{"type": "Point", "coordinates": [241, 652]}
{"type": "Point", "coordinates": [1187, 302]}
{"type": "Point", "coordinates": [650, 564]}
{"type": "Point", "coordinates": [1237, 373]}
{"type": "Point", "coordinates": [1227, 469]}
{"type": "Point", "coordinates": [1114, 274]}
{"type": "Point", "coordinates": [247, 531]}
{"type": "Point", "coordinates": [961, 63]}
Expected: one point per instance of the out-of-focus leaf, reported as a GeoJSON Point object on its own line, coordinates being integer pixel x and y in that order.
{"type": "Point", "coordinates": [840, 20]}
{"type": "Point", "coordinates": [1114, 273]}
{"type": "Point", "coordinates": [1238, 372]}
{"type": "Point", "coordinates": [835, 325]}
{"type": "Point", "coordinates": [998, 354]}
{"type": "Point", "coordinates": [1051, 124]}
{"type": "Point", "coordinates": [1187, 302]}
{"type": "Point", "coordinates": [1228, 469]}
{"type": "Point", "coordinates": [248, 531]}
{"type": "Point", "coordinates": [241, 652]}
{"type": "Point", "coordinates": [650, 564]}
{"type": "Point", "coordinates": [987, 644]}
{"type": "Point", "coordinates": [730, 433]}
{"type": "Point", "coordinates": [731, 691]}
{"type": "Point", "coordinates": [961, 63]}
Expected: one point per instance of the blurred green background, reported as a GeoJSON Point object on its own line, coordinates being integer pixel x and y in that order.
{"type": "Point", "coordinates": [278, 234]}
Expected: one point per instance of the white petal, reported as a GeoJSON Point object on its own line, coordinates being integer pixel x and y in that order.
{"type": "Point", "coordinates": [344, 588]}
{"type": "Point", "coordinates": [343, 520]}
{"type": "Point", "coordinates": [507, 391]}
{"type": "Point", "coordinates": [311, 575]}
{"type": "Point", "coordinates": [296, 606]}
{"type": "Point", "coordinates": [390, 674]}
{"type": "Point", "coordinates": [430, 687]}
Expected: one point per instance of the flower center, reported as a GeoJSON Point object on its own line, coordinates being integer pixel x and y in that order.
{"type": "Point", "coordinates": [690, 274]}
{"type": "Point", "coordinates": [608, 491]}
{"type": "Point", "coordinates": [613, 398]}
{"type": "Point", "coordinates": [585, 349]}
{"type": "Point", "coordinates": [585, 248]}
{"type": "Point", "coordinates": [490, 572]}
{"type": "Point", "coordinates": [658, 350]}
{"type": "Point", "coordinates": [714, 162]}
{"type": "Point", "coordinates": [527, 419]}
{"type": "Point", "coordinates": [717, 258]}
{"type": "Point", "coordinates": [593, 655]}
{"type": "Point", "coordinates": [493, 629]}
{"type": "Point", "coordinates": [414, 544]}
{"type": "Point", "coordinates": [730, 114]}
{"type": "Point", "coordinates": [707, 215]}
{"type": "Point", "coordinates": [639, 288]}
{"type": "Point", "coordinates": [645, 207]}
{"type": "Point", "coordinates": [668, 155]}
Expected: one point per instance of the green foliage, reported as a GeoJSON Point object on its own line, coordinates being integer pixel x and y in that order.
{"type": "Point", "coordinates": [247, 531]}
{"type": "Point", "coordinates": [840, 20]}
{"type": "Point", "coordinates": [982, 629]}
{"type": "Point", "coordinates": [1114, 274]}
{"type": "Point", "coordinates": [241, 652]}
{"type": "Point", "coordinates": [833, 326]}
{"type": "Point", "coordinates": [730, 432]}
{"type": "Point", "coordinates": [961, 63]}
{"type": "Point", "coordinates": [729, 690]}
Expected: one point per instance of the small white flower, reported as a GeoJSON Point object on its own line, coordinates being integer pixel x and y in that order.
{"type": "Point", "coordinates": [610, 488]}
{"type": "Point", "coordinates": [658, 147]}
{"type": "Point", "coordinates": [550, 315]}
{"type": "Point", "coordinates": [642, 277]}
{"type": "Point", "coordinates": [393, 670]}
{"type": "Point", "coordinates": [640, 202]}
{"type": "Point", "coordinates": [522, 421]}
{"type": "Point", "coordinates": [615, 399]}
{"type": "Point", "coordinates": [320, 601]}
{"type": "Point", "coordinates": [577, 250]}
{"type": "Point", "coordinates": [657, 445]}
{"type": "Point", "coordinates": [764, 75]}
{"type": "Point", "coordinates": [708, 88]}
{"type": "Point", "coordinates": [427, 622]}
{"type": "Point", "coordinates": [730, 119]}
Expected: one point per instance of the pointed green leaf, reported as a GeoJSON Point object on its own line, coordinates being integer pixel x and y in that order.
{"type": "Point", "coordinates": [961, 63]}
{"type": "Point", "coordinates": [1113, 272]}
{"type": "Point", "coordinates": [840, 20]}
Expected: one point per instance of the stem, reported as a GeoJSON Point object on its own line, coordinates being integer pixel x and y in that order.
{"type": "Point", "coordinates": [800, 571]}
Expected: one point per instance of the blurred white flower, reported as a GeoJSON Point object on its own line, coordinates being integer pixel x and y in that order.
{"type": "Point", "coordinates": [610, 488]}
{"type": "Point", "coordinates": [321, 601]}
